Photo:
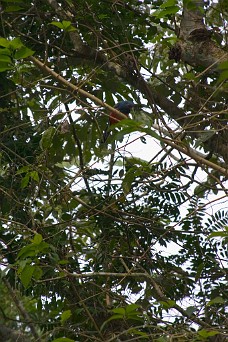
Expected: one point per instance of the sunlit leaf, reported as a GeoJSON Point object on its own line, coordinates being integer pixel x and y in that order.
{"type": "Point", "coordinates": [65, 316]}
{"type": "Point", "coordinates": [216, 300]}
{"type": "Point", "coordinates": [37, 239]}
{"type": "Point", "coordinates": [23, 52]}
{"type": "Point", "coordinates": [207, 333]}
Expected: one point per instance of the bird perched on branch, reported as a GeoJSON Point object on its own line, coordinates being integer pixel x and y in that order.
{"type": "Point", "coordinates": [125, 108]}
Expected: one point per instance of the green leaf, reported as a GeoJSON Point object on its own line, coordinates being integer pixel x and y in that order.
{"type": "Point", "coordinates": [219, 233]}
{"type": "Point", "coordinates": [38, 273]}
{"type": "Point", "coordinates": [23, 52]}
{"type": "Point", "coordinates": [190, 310]}
{"type": "Point", "coordinates": [9, 1]}
{"type": "Point", "coordinates": [64, 25]}
{"type": "Point", "coordinates": [168, 3]}
{"type": "Point", "coordinates": [23, 169]}
{"type": "Point", "coordinates": [137, 161]}
{"type": "Point", "coordinates": [65, 315]}
{"type": "Point", "coordinates": [57, 24]}
{"type": "Point", "coordinates": [39, 305]}
{"type": "Point", "coordinates": [135, 317]}
{"type": "Point", "coordinates": [25, 181]}
{"type": "Point", "coordinates": [63, 339]}
{"type": "Point", "coordinates": [34, 175]}
{"type": "Point", "coordinates": [114, 317]}
{"type": "Point", "coordinates": [4, 42]}
{"type": "Point", "coordinates": [223, 65]}
{"type": "Point", "coordinates": [102, 16]}
{"type": "Point", "coordinates": [32, 249]}
{"type": "Point", "coordinates": [189, 4]}
{"type": "Point", "coordinates": [27, 251]}
{"type": "Point", "coordinates": [67, 26]}
{"type": "Point", "coordinates": [132, 308]}
{"type": "Point", "coordinates": [199, 271]}
{"type": "Point", "coordinates": [16, 43]}
{"type": "Point", "coordinates": [189, 76]}
{"type": "Point", "coordinates": [167, 11]}
{"type": "Point", "coordinates": [138, 332]}
{"type": "Point", "coordinates": [46, 140]}
{"type": "Point", "coordinates": [120, 311]}
{"type": "Point", "coordinates": [216, 300]}
{"type": "Point", "coordinates": [206, 135]}
{"type": "Point", "coordinates": [223, 76]}
{"type": "Point", "coordinates": [26, 275]}
{"type": "Point", "coordinates": [5, 58]}
{"type": "Point", "coordinates": [37, 239]}
{"type": "Point", "coordinates": [63, 262]}
{"type": "Point", "coordinates": [14, 8]}
{"type": "Point", "coordinates": [121, 173]}
{"type": "Point", "coordinates": [151, 133]}
{"type": "Point", "coordinates": [206, 333]}
{"type": "Point", "coordinates": [5, 66]}
{"type": "Point", "coordinates": [169, 304]}
{"type": "Point", "coordinates": [128, 180]}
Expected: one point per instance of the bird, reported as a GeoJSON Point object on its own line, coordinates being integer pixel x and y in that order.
{"type": "Point", "coordinates": [125, 108]}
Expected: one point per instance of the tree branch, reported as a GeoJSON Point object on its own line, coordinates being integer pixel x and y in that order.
{"type": "Point", "coordinates": [157, 288]}
{"type": "Point", "coordinates": [22, 310]}
{"type": "Point", "coordinates": [195, 46]}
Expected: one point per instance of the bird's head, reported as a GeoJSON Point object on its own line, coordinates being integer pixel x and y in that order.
{"type": "Point", "coordinates": [124, 106]}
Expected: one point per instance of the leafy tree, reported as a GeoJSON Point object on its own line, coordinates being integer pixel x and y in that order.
{"type": "Point", "coordinates": [99, 243]}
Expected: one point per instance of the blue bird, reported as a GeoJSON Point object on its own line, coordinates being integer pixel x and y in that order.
{"type": "Point", "coordinates": [125, 108]}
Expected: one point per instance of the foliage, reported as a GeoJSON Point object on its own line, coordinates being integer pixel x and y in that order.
{"type": "Point", "coordinates": [99, 243]}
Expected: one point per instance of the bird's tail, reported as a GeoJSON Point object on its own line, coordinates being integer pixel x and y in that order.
{"type": "Point", "coordinates": [105, 134]}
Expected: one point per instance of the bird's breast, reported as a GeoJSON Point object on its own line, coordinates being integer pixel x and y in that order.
{"type": "Point", "coordinates": [113, 118]}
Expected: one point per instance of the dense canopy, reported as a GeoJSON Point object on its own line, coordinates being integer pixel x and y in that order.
{"type": "Point", "coordinates": [123, 239]}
